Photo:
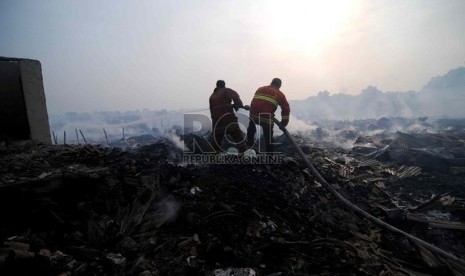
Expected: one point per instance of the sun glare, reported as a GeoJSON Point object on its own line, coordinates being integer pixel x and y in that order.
{"type": "Point", "coordinates": [307, 25]}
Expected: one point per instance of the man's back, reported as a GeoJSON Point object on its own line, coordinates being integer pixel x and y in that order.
{"type": "Point", "coordinates": [267, 99]}
{"type": "Point", "coordinates": [220, 102]}
{"type": "Point", "coordinates": [223, 117]}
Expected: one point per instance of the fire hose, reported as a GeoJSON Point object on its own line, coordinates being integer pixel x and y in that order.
{"type": "Point", "coordinates": [361, 212]}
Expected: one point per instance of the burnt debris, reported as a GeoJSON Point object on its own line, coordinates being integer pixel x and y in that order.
{"type": "Point", "coordinates": [87, 209]}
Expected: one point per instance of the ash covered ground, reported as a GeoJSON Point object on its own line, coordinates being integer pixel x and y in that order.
{"type": "Point", "coordinates": [133, 208]}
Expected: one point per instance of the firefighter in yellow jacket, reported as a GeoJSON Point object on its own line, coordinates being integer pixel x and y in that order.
{"type": "Point", "coordinates": [264, 104]}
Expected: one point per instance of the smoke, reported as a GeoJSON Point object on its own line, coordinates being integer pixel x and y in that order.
{"type": "Point", "coordinates": [176, 140]}
{"type": "Point", "coordinates": [443, 96]}
{"type": "Point", "coordinates": [167, 210]}
{"type": "Point", "coordinates": [133, 123]}
{"type": "Point", "coordinates": [297, 126]}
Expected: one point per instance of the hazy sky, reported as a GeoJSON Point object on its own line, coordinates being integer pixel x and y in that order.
{"type": "Point", "coordinates": [125, 55]}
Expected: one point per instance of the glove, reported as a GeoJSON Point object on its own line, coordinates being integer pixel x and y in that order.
{"type": "Point", "coordinates": [284, 122]}
{"type": "Point", "coordinates": [246, 107]}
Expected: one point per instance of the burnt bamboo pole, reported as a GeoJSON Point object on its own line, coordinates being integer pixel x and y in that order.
{"type": "Point", "coordinates": [83, 137]}
{"type": "Point", "coordinates": [77, 136]}
{"type": "Point", "coordinates": [106, 136]}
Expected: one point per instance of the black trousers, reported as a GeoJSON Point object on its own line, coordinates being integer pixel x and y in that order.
{"type": "Point", "coordinates": [267, 135]}
{"type": "Point", "coordinates": [232, 129]}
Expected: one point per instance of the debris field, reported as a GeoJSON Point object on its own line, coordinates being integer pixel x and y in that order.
{"type": "Point", "coordinates": [93, 210]}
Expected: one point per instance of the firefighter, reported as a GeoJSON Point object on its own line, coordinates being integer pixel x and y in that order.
{"type": "Point", "coordinates": [262, 109]}
{"type": "Point", "coordinates": [224, 121]}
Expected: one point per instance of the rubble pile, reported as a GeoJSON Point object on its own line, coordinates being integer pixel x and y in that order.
{"type": "Point", "coordinates": [86, 209]}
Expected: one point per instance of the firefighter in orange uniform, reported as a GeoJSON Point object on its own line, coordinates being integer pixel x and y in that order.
{"type": "Point", "coordinates": [223, 118]}
{"type": "Point", "coordinates": [262, 109]}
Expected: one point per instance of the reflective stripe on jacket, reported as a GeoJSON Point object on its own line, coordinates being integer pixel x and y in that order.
{"type": "Point", "coordinates": [265, 102]}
